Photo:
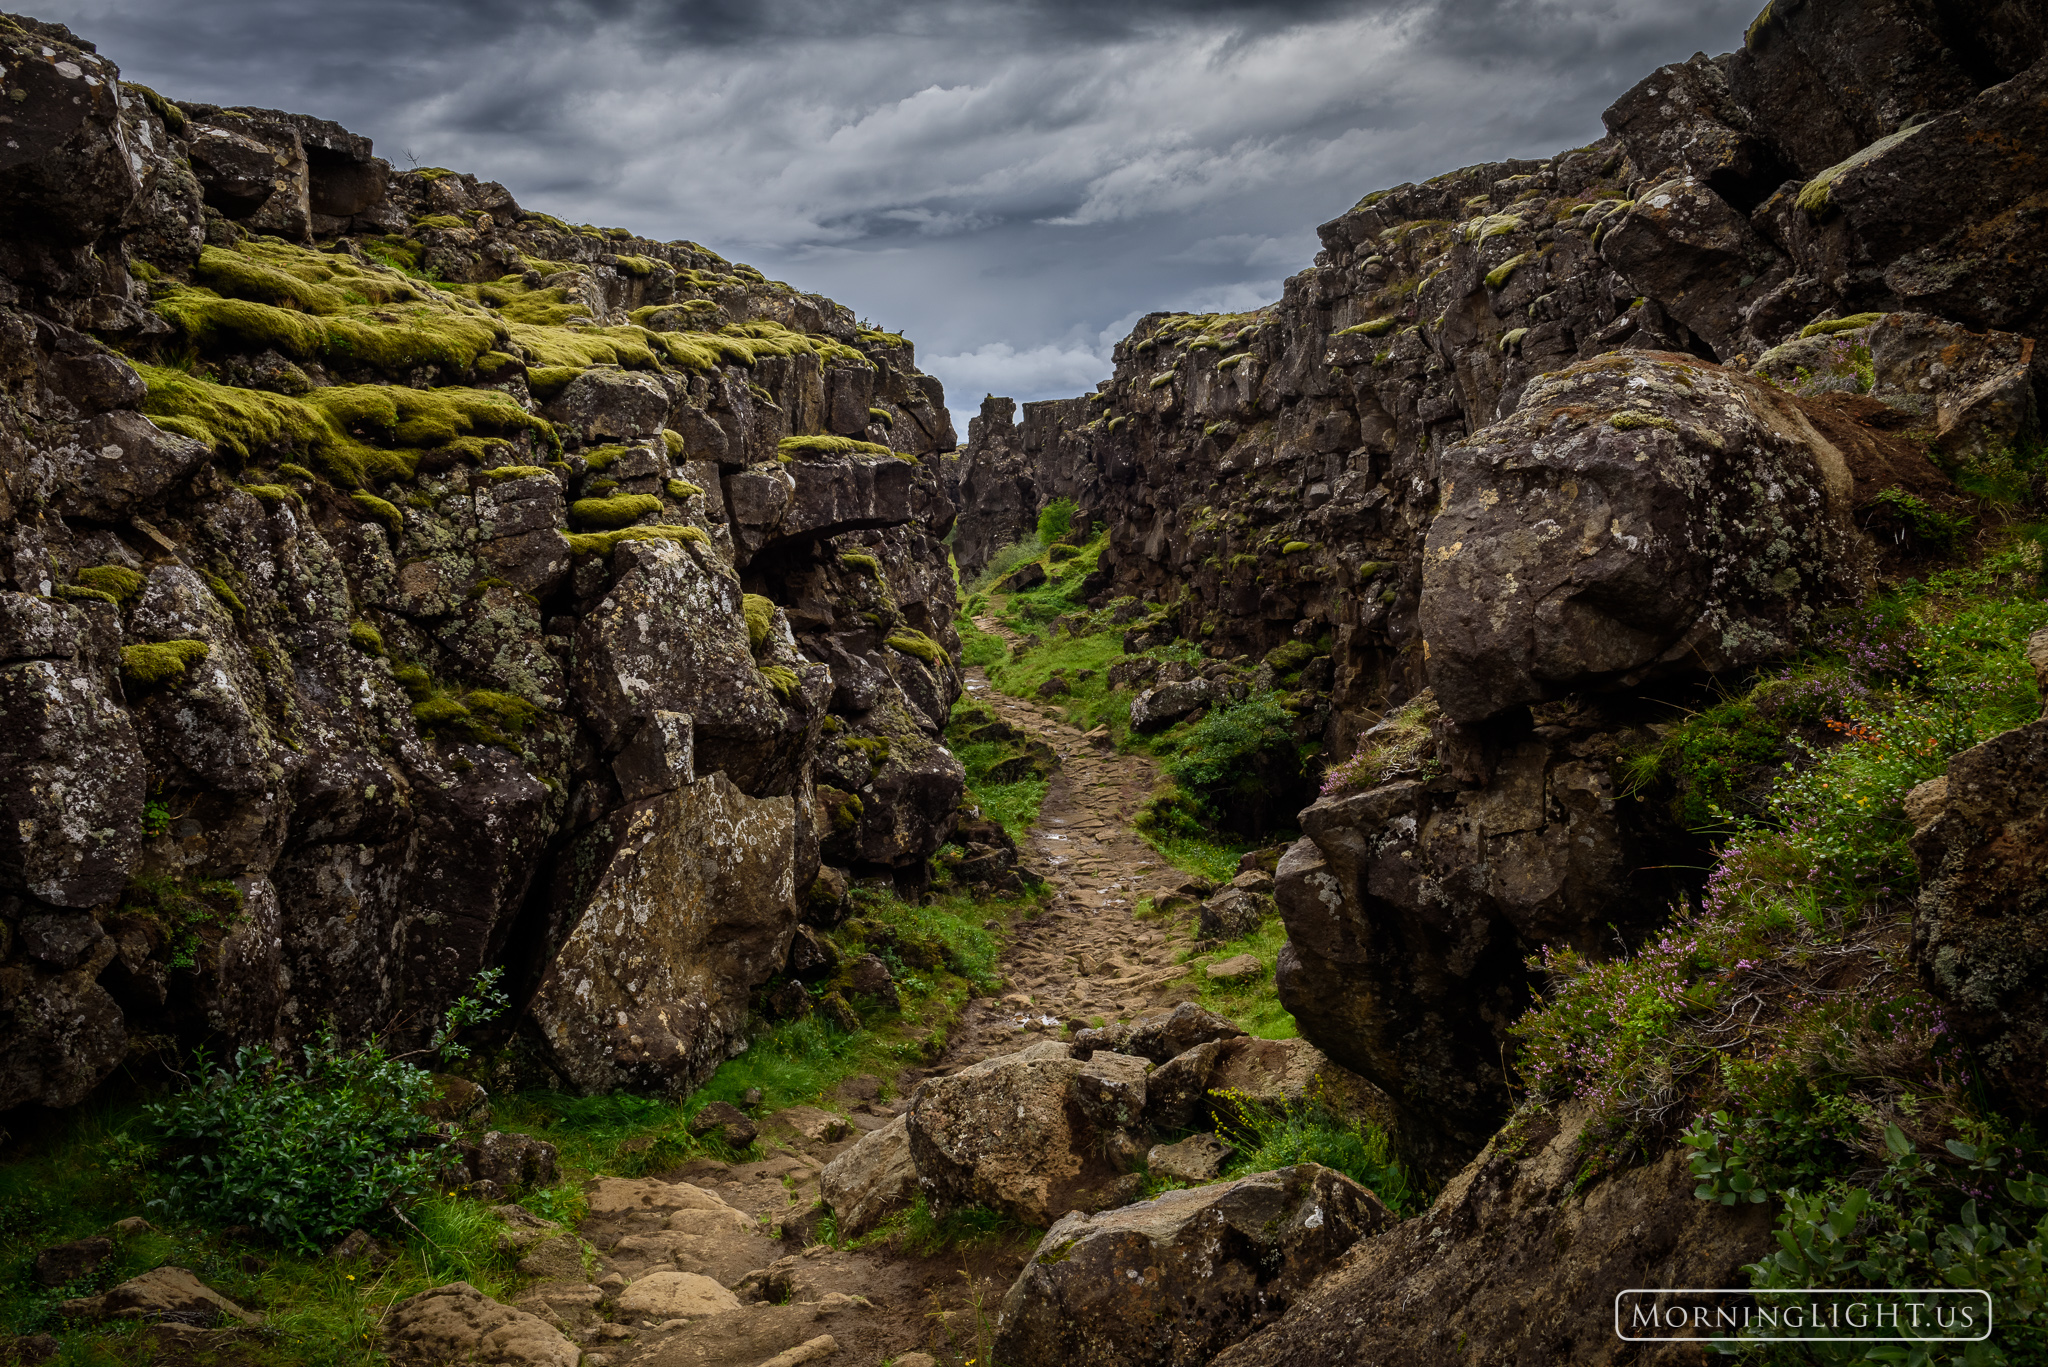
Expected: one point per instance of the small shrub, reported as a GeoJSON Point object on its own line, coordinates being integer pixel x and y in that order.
{"type": "Point", "coordinates": [303, 1153]}
{"type": "Point", "coordinates": [1268, 1137]}
{"type": "Point", "coordinates": [1055, 520]}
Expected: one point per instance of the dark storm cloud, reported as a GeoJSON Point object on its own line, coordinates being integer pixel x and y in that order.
{"type": "Point", "coordinates": [1011, 184]}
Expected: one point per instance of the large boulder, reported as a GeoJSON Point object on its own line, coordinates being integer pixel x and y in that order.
{"type": "Point", "coordinates": [65, 169]}
{"type": "Point", "coordinates": [1224, 1080]}
{"type": "Point", "coordinates": [458, 1323]}
{"type": "Point", "coordinates": [1033, 1134]}
{"type": "Point", "coordinates": [1638, 513]}
{"type": "Point", "coordinates": [1516, 1263]}
{"type": "Point", "coordinates": [604, 404]}
{"type": "Point", "coordinates": [635, 999]}
{"type": "Point", "coordinates": [1175, 1279]}
{"type": "Point", "coordinates": [1158, 1038]}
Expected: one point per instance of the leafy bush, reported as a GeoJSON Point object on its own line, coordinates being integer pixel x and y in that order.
{"type": "Point", "coordinates": [304, 1154]}
{"type": "Point", "coordinates": [1240, 764]}
{"type": "Point", "coordinates": [1055, 520]}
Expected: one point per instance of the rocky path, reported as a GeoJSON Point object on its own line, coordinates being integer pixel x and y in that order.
{"type": "Point", "coordinates": [1087, 957]}
{"type": "Point", "coordinates": [741, 1238]}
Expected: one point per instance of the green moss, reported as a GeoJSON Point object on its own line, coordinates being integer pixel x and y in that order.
{"type": "Point", "coordinates": [797, 448]}
{"type": "Point", "coordinates": [508, 710]}
{"type": "Point", "coordinates": [603, 457]}
{"type": "Point", "coordinates": [173, 116]}
{"type": "Point", "coordinates": [601, 543]}
{"type": "Point", "coordinates": [860, 560]}
{"type": "Point", "coordinates": [1374, 328]}
{"type": "Point", "coordinates": [269, 493]}
{"type": "Point", "coordinates": [1513, 338]}
{"type": "Point", "coordinates": [79, 593]}
{"type": "Point", "coordinates": [366, 638]}
{"type": "Point", "coordinates": [329, 424]}
{"type": "Point", "coordinates": [442, 222]}
{"type": "Point", "coordinates": [513, 472]}
{"type": "Point", "coordinates": [781, 678]}
{"type": "Point", "coordinates": [918, 644]}
{"type": "Point", "coordinates": [292, 471]}
{"type": "Point", "coordinates": [673, 440]}
{"type": "Point", "coordinates": [1630, 421]}
{"type": "Point", "coordinates": [1296, 547]}
{"type": "Point", "coordinates": [116, 581]}
{"type": "Point", "coordinates": [1505, 271]}
{"type": "Point", "coordinates": [760, 614]}
{"type": "Point", "coordinates": [1829, 327]}
{"type": "Point", "coordinates": [545, 382]}
{"type": "Point", "coordinates": [1161, 380]}
{"type": "Point", "coordinates": [678, 488]}
{"type": "Point", "coordinates": [1817, 196]}
{"type": "Point", "coordinates": [621, 510]}
{"type": "Point", "coordinates": [221, 590]}
{"type": "Point", "coordinates": [439, 710]}
{"type": "Point", "coordinates": [882, 416]}
{"type": "Point", "coordinates": [417, 683]}
{"type": "Point", "coordinates": [160, 663]}
{"type": "Point", "coordinates": [1291, 657]}
{"type": "Point", "coordinates": [381, 511]}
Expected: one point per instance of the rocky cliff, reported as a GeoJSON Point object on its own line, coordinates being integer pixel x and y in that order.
{"type": "Point", "coordinates": [397, 584]}
{"type": "Point", "coordinates": [1536, 449]}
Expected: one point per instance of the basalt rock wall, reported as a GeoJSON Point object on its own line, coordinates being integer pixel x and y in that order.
{"type": "Point", "coordinates": [397, 584]}
{"type": "Point", "coordinates": [1537, 446]}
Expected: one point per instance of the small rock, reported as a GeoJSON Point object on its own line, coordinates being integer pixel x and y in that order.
{"type": "Point", "coordinates": [165, 1295]}
{"type": "Point", "coordinates": [611, 1283]}
{"type": "Point", "coordinates": [872, 1180]}
{"type": "Point", "coordinates": [1198, 1158]}
{"type": "Point", "coordinates": [751, 1097]}
{"type": "Point", "coordinates": [789, 1001]}
{"type": "Point", "coordinates": [871, 978]}
{"type": "Point", "coordinates": [511, 1160]}
{"type": "Point", "coordinates": [676, 1295]}
{"type": "Point", "coordinates": [917, 1360]}
{"type": "Point", "coordinates": [834, 1008]}
{"type": "Point", "coordinates": [68, 1262]}
{"type": "Point", "coordinates": [359, 1245]}
{"type": "Point", "coordinates": [817, 1350]}
{"type": "Point", "coordinates": [1236, 968]}
{"type": "Point", "coordinates": [132, 1226]}
{"type": "Point", "coordinates": [727, 1122]}
{"type": "Point", "coordinates": [458, 1323]}
{"type": "Point", "coordinates": [1253, 880]}
{"type": "Point", "coordinates": [455, 1099]}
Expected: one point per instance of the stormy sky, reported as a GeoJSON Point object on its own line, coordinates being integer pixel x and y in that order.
{"type": "Point", "coordinates": [1010, 184]}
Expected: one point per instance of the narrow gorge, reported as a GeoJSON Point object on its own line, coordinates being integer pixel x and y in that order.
{"type": "Point", "coordinates": [557, 813]}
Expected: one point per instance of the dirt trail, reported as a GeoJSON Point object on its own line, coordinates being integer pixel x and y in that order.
{"type": "Point", "coordinates": [1086, 956]}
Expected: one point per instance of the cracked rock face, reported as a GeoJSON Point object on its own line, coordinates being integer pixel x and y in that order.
{"type": "Point", "coordinates": [287, 737]}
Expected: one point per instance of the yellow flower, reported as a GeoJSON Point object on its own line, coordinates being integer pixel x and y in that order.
{"type": "Point", "coordinates": [351, 1276]}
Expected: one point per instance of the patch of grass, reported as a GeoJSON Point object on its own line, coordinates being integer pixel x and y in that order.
{"type": "Point", "coordinates": [1253, 1003]}
{"type": "Point", "coordinates": [926, 1235]}
{"type": "Point", "coordinates": [1206, 854]}
{"type": "Point", "coordinates": [979, 648]}
{"type": "Point", "coordinates": [1268, 1137]}
{"type": "Point", "coordinates": [1005, 562]}
{"type": "Point", "coordinates": [1055, 520]}
{"type": "Point", "coordinates": [1013, 805]}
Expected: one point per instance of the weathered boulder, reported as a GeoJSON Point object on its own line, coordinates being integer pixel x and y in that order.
{"type": "Point", "coordinates": [872, 1180]}
{"type": "Point", "coordinates": [606, 404]}
{"type": "Point", "coordinates": [164, 1295]}
{"type": "Point", "coordinates": [1220, 1080]}
{"type": "Point", "coordinates": [1011, 1133]}
{"type": "Point", "coordinates": [660, 1001]}
{"type": "Point", "coordinates": [727, 1122]}
{"type": "Point", "coordinates": [1697, 255]}
{"type": "Point", "coordinates": [66, 172]}
{"type": "Point", "coordinates": [1980, 929]}
{"type": "Point", "coordinates": [1636, 514]}
{"type": "Point", "coordinates": [1168, 702]}
{"type": "Point", "coordinates": [1198, 1158]}
{"type": "Point", "coordinates": [1233, 913]}
{"type": "Point", "coordinates": [1515, 1263]}
{"type": "Point", "coordinates": [1175, 1279]}
{"type": "Point", "coordinates": [1158, 1038]}
{"type": "Point", "coordinates": [458, 1323]}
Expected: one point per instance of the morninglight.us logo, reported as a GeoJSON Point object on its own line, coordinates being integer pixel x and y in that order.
{"type": "Point", "coordinates": [1841, 1315]}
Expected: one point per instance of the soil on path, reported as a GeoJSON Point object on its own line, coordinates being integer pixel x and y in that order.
{"type": "Point", "coordinates": [1086, 957]}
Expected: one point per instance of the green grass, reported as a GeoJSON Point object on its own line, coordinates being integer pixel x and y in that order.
{"type": "Point", "coordinates": [1270, 1137]}
{"type": "Point", "coordinates": [1207, 855]}
{"type": "Point", "coordinates": [1254, 1004]}
{"type": "Point", "coordinates": [977, 647]}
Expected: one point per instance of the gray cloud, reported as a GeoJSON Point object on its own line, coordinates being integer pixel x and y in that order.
{"type": "Point", "coordinates": [1009, 183]}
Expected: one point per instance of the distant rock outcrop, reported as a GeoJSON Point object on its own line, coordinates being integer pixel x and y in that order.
{"type": "Point", "coordinates": [1532, 448]}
